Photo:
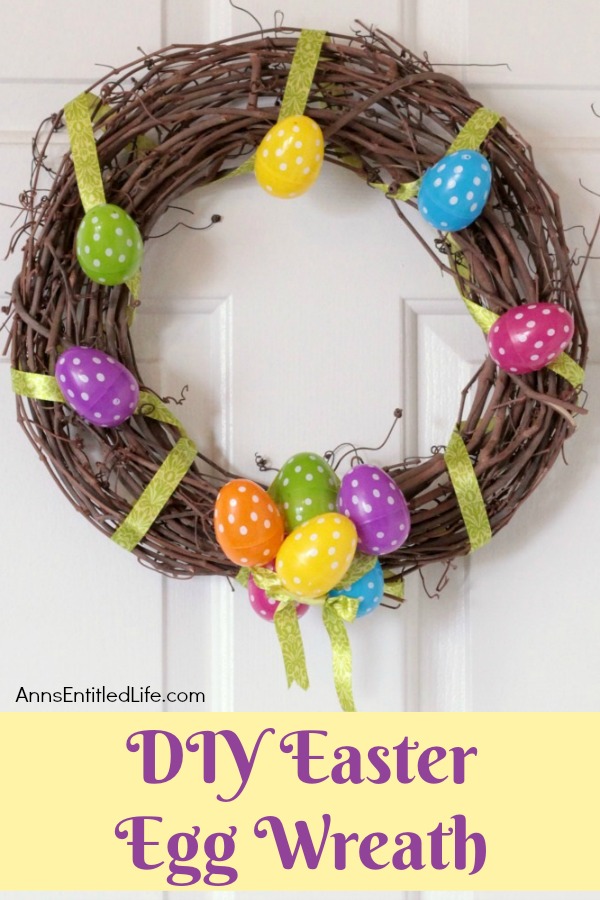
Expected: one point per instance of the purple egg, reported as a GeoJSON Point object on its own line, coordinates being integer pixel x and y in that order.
{"type": "Point", "coordinates": [97, 386]}
{"type": "Point", "coordinates": [376, 506]}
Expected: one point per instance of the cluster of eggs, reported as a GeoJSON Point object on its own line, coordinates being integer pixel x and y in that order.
{"type": "Point", "coordinates": [308, 527]}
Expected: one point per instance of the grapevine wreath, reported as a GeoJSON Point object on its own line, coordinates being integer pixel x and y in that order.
{"type": "Point", "coordinates": [188, 116]}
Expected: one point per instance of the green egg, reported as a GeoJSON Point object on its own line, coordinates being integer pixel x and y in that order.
{"type": "Point", "coordinates": [305, 487]}
{"type": "Point", "coordinates": [109, 245]}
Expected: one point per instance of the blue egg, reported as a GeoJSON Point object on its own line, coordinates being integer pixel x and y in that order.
{"type": "Point", "coordinates": [454, 191]}
{"type": "Point", "coordinates": [368, 590]}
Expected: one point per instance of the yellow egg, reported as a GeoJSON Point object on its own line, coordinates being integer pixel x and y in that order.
{"type": "Point", "coordinates": [316, 555]}
{"type": "Point", "coordinates": [290, 157]}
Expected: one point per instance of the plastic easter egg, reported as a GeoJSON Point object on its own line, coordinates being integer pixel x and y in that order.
{"type": "Point", "coordinates": [109, 245]}
{"type": "Point", "coordinates": [264, 606]}
{"type": "Point", "coordinates": [101, 389]}
{"type": "Point", "coordinates": [316, 555]}
{"type": "Point", "coordinates": [455, 190]}
{"type": "Point", "coordinates": [304, 487]}
{"type": "Point", "coordinates": [377, 507]}
{"type": "Point", "coordinates": [527, 338]}
{"type": "Point", "coordinates": [248, 525]}
{"type": "Point", "coordinates": [290, 156]}
{"type": "Point", "coordinates": [368, 590]}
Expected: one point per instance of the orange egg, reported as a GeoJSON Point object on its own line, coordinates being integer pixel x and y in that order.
{"type": "Point", "coordinates": [248, 525]}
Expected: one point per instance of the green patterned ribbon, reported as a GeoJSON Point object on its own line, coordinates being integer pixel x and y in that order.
{"type": "Point", "coordinates": [297, 88]}
{"type": "Point", "coordinates": [156, 494]}
{"type": "Point", "coordinates": [336, 611]}
{"type": "Point", "coordinates": [78, 116]}
{"type": "Point", "coordinates": [84, 152]}
{"type": "Point", "coordinates": [468, 493]}
{"type": "Point", "coordinates": [37, 387]}
{"type": "Point", "coordinates": [302, 72]}
{"type": "Point", "coordinates": [99, 110]}
{"type": "Point", "coordinates": [285, 620]}
{"type": "Point", "coordinates": [404, 192]}
{"type": "Point", "coordinates": [287, 629]}
{"type": "Point", "coordinates": [270, 582]}
{"type": "Point", "coordinates": [360, 565]}
{"type": "Point", "coordinates": [475, 130]}
{"type": "Point", "coordinates": [393, 586]}
{"type": "Point", "coordinates": [564, 365]}
{"type": "Point", "coordinates": [470, 137]}
{"type": "Point", "coordinates": [165, 481]}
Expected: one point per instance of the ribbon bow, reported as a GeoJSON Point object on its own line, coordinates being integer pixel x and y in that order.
{"type": "Point", "coordinates": [337, 610]}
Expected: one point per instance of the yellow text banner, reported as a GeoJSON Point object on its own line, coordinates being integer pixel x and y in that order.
{"type": "Point", "coordinates": [275, 802]}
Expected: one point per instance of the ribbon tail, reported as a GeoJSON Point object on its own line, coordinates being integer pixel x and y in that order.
{"type": "Point", "coordinates": [292, 648]}
{"type": "Point", "coordinates": [342, 657]}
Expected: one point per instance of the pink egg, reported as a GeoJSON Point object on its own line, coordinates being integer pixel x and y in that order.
{"type": "Point", "coordinates": [263, 606]}
{"type": "Point", "coordinates": [527, 338]}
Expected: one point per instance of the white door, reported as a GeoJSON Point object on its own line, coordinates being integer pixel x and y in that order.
{"type": "Point", "coordinates": [372, 326]}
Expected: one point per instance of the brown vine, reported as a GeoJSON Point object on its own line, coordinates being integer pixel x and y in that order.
{"type": "Point", "coordinates": [387, 116]}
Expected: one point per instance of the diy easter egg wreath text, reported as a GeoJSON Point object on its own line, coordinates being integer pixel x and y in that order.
{"type": "Point", "coordinates": [316, 844]}
{"type": "Point", "coordinates": [284, 102]}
